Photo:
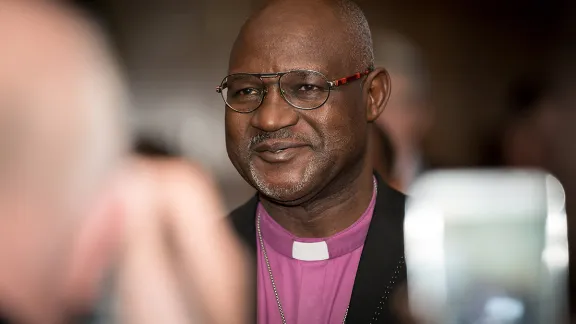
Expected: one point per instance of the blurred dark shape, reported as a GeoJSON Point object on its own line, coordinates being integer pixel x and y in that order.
{"type": "Point", "coordinates": [383, 155]}
{"type": "Point", "coordinates": [98, 9]}
{"type": "Point", "coordinates": [525, 94]}
{"type": "Point", "coordinates": [153, 148]}
{"type": "Point", "coordinates": [491, 154]}
{"type": "Point", "coordinates": [102, 13]}
{"type": "Point", "coordinates": [515, 141]}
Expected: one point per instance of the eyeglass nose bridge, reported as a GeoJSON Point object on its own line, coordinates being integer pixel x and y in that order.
{"type": "Point", "coordinates": [271, 76]}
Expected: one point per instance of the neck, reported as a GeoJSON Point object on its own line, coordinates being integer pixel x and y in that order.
{"type": "Point", "coordinates": [329, 212]}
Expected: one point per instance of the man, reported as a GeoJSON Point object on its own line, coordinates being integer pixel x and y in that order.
{"type": "Point", "coordinates": [408, 116]}
{"type": "Point", "coordinates": [71, 203]}
{"type": "Point", "coordinates": [301, 95]}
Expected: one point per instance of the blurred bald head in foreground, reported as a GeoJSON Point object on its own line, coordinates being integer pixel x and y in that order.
{"type": "Point", "coordinates": [72, 201]}
{"type": "Point", "coordinates": [61, 103]}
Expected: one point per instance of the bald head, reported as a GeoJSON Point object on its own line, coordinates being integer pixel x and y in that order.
{"type": "Point", "coordinates": [335, 30]}
{"type": "Point", "coordinates": [61, 135]}
{"type": "Point", "coordinates": [60, 98]}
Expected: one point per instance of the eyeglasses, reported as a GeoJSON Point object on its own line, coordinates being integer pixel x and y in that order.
{"type": "Point", "coordinates": [302, 89]}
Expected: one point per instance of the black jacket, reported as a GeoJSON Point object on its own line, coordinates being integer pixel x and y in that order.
{"type": "Point", "coordinates": [381, 265]}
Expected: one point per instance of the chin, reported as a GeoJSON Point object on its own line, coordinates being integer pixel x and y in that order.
{"type": "Point", "coordinates": [284, 196]}
{"type": "Point", "coordinates": [283, 190]}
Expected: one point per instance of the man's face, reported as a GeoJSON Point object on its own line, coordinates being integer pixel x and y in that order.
{"type": "Point", "coordinates": [288, 154]}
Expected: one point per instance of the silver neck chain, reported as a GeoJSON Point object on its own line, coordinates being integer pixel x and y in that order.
{"type": "Point", "coordinates": [272, 281]}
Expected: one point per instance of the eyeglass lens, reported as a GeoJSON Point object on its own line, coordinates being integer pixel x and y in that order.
{"type": "Point", "coordinates": [301, 89]}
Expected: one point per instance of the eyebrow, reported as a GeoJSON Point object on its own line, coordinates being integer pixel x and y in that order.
{"type": "Point", "coordinates": [311, 68]}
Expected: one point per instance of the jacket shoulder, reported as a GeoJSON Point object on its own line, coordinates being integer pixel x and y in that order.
{"type": "Point", "coordinates": [243, 220]}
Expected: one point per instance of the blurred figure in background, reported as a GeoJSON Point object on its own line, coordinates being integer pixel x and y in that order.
{"type": "Point", "coordinates": [73, 206]}
{"type": "Point", "coordinates": [539, 128]}
{"type": "Point", "coordinates": [539, 132]}
{"type": "Point", "coordinates": [408, 115]}
{"type": "Point", "coordinates": [527, 124]}
{"type": "Point", "coordinates": [383, 155]}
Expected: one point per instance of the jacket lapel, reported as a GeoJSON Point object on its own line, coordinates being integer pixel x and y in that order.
{"type": "Point", "coordinates": [244, 222]}
{"type": "Point", "coordinates": [382, 262]}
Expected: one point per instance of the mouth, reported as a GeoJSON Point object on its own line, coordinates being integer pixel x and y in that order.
{"type": "Point", "coordinates": [275, 151]}
{"type": "Point", "coordinates": [278, 151]}
{"type": "Point", "coordinates": [277, 146]}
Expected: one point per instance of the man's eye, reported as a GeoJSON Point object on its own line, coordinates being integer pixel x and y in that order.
{"type": "Point", "coordinates": [248, 92]}
{"type": "Point", "coordinates": [308, 87]}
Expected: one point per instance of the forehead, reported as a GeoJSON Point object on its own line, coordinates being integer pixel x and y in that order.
{"type": "Point", "coordinates": [279, 42]}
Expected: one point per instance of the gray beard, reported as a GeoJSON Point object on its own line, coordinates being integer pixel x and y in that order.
{"type": "Point", "coordinates": [275, 192]}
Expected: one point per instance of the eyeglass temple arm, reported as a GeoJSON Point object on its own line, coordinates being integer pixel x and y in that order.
{"type": "Point", "coordinates": [356, 76]}
{"type": "Point", "coordinates": [221, 87]}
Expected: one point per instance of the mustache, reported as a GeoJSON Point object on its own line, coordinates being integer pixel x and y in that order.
{"type": "Point", "coordinates": [279, 134]}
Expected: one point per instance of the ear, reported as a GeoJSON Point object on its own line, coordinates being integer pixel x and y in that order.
{"type": "Point", "coordinates": [377, 89]}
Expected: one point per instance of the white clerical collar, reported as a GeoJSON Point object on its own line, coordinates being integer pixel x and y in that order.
{"type": "Point", "coordinates": [313, 251]}
{"type": "Point", "coordinates": [316, 249]}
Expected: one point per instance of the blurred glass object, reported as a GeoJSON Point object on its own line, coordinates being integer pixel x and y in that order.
{"type": "Point", "coordinates": [487, 247]}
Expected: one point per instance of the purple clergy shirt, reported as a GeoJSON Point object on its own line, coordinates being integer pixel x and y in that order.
{"type": "Point", "coordinates": [315, 291]}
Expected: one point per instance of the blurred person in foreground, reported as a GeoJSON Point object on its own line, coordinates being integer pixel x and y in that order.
{"type": "Point", "coordinates": [408, 115]}
{"type": "Point", "coordinates": [325, 231]}
{"type": "Point", "coordinates": [74, 206]}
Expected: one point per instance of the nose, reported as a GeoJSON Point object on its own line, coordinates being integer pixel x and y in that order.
{"type": "Point", "coordinates": [274, 113]}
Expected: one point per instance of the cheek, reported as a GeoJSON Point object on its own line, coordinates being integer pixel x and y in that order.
{"type": "Point", "coordinates": [236, 126]}
{"type": "Point", "coordinates": [342, 129]}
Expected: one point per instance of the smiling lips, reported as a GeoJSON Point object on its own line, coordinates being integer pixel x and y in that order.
{"type": "Point", "coordinates": [275, 151]}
